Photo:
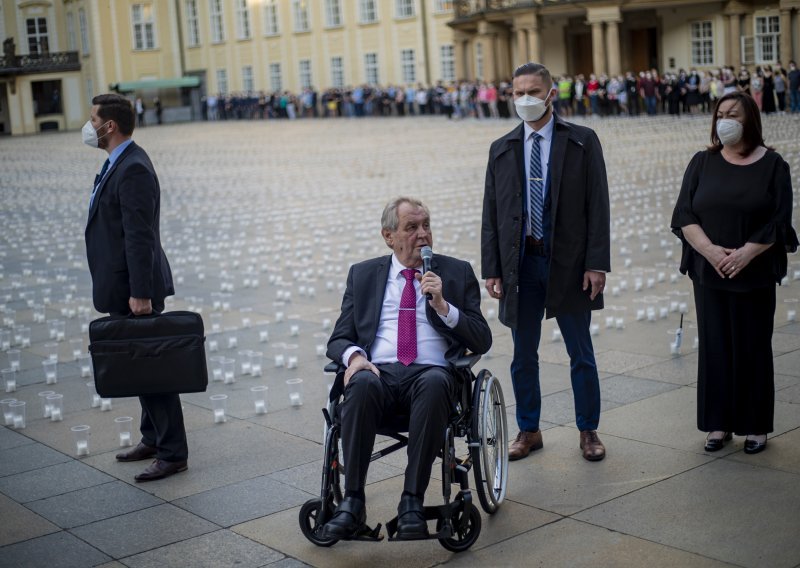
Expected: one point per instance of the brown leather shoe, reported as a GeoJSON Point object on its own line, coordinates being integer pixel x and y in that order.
{"type": "Point", "coordinates": [160, 469]}
{"type": "Point", "coordinates": [525, 443]}
{"type": "Point", "coordinates": [593, 448]}
{"type": "Point", "coordinates": [140, 452]}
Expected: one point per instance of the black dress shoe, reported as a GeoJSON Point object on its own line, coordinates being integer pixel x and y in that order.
{"type": "Point", "coordinates": [349, 517]}
{"type": "Point", "coordinates": [160, 469]}
{"type": "Point", "coordinates": [411, 524]}
{"type": "Point", "coordinates": [754, 446]}
{"type": "Point", "coordinates": [716, 444]}
{"type": "Point", "coordinates": [140, 452]}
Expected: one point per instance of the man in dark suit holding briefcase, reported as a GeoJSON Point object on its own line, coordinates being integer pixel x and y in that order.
{"type": "Point", "coordinates": [130, 273]}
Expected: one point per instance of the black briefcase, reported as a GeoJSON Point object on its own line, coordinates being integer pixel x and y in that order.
{"type": "Point", "coordinates": [155, 354]}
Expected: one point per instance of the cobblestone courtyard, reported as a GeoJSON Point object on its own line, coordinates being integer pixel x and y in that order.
{"type": "Point", "coordinates": [260, 221]}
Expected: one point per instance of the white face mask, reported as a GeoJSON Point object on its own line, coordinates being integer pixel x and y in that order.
{"type": "Point", "coordinates": [729, 131]}
{"type": "Point", "coordinates": [89, 134]}
{"type": "Point", "coordinates": [530, 109]}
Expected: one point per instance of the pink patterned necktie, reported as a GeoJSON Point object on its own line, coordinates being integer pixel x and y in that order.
{"type": "Point", "coordinates": [407, 321]}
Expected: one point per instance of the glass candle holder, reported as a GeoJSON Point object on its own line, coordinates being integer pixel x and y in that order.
{"type": "Point", "coordinates": [106, 405]}
{"type": "Point", "coordinates": [46, 406]}
{"type": "Point", "coordinates": [228, 371]}
{"type": "Point", "coordinates": [14, 359]}
{"type": "Point", "coordinates": [256, 363]}
{"type": "Point", "coordinates": [50, 371]}
{"type": "Point", "coordinates": [51, 349]}
{"type": "Point", "coordinates": [81, 435]}
{"type": "Point", "coordinates": [17, 409]}
{"type": "Point", "coordinates": [244, 362]}
{"type": "Point", "coordinates": [56, 403]}
{"type": "Point", "coordinates": [85, 365]}
{"type": "Point", "coordinates": [124, 424]}
{"type": "Point", "coordinates": [76, 348]}
{"type": "Point", "coordinates": [260, 398]}
{"type": "Point", "coordinates": [218, 404]}
{"type": "Point", "coordinates": [9, 379]}
{"type": "Point", "coordinates": [94, 398]}
{"type": "Point", "coordinates": [295, 392]}
{"type": "Point", "coordinates": [8, 414]}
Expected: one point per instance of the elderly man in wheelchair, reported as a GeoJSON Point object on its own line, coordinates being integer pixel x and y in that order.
{"type": "Point", "coordinates": [398, 338]}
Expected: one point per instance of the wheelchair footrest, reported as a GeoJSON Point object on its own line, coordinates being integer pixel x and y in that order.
{"type": "Point", "coordinates": [366, 533]}
{"type": "Point", "coordinates": [435, 513]}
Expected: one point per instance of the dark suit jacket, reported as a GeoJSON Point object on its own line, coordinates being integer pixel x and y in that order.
{"type": "Point", "coordinates": [363, 298]}
{"type": "Point", "coordinates": [579, 237]}
{"type": "Point", "coordinates": [123, 244]}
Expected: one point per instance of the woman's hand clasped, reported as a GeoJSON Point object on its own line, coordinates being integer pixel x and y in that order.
{"type": "Point", "coordinates": [735, 261]}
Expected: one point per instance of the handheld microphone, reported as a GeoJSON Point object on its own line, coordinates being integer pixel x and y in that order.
{"type": "Point", "coordinates": [427, 254]}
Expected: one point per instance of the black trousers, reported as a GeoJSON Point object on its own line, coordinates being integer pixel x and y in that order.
{"type": "Point", "coordinates": [423, 393]}
{"type": "Point", "coordinates": [162, 420]}
{"type": "Point", "coordinates": [735, 376]}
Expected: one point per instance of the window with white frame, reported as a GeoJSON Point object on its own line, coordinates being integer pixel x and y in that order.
{"type": "Point", "coordinates": [270, 17]}
{"type": "Point", "coordinates": [404, 8]}
{"type": "Point", "coordinates": [702, 43]}
{"type": "Point", "coordinates": [222, 81]}
{"type": "Point", "coordinates": [447, 59]}
{"type": "Point", "coordinates": [442, 6]}
{"type": "Point", "coordinates": [367, 11]}
{"type": "Point", "coordinates": [72, 39]}
{"type": "Point", "coordinates": [408, 65]}
{"type": "Point", "coordinates": [371, 68]}
{"type": "Point", "coordinates": [84, 27]}
{"type": "Point", "coordinates": [247, 78]}
{"type": "Point", "coordinates": [333, 13]}
{"type": "Point", "coordinates": [143, 27]}
{"type": "Point", "coordinates": [192, 24]}
{"type": "Point", "coordinates": [37, 35]}
{"type": "Point", "coordinates": [337, 72]}
{"type": "Point", "coordinates": [768, 39]}
{"type": "Point", "coordinates": [479, 60]}
{"type": "Point", "coordinates": [217, 23]}
{"type": "Point", "coordinates": [300, 14]}
{"type": "Point", "coordinates": [242, 20]}
{"type": "Point", "coordinates": [305, 73]}
{"type": "Point", "coordinates": [275, 80]}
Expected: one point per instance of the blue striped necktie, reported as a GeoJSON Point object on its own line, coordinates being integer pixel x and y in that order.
{"type": "Point", "coordinates": [536, 187]}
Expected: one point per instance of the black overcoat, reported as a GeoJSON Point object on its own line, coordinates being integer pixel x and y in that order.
{"type": "Point", "coordinates": [580, 238]}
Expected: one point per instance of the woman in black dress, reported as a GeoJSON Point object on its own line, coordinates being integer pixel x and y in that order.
{"type": "Point", "coordinates": [768, 100]}
{"type": "Point", "coordinates": [734, 217]}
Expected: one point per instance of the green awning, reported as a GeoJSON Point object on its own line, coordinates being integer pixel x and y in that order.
{"type": "Point", "coordinates": [129, 86]}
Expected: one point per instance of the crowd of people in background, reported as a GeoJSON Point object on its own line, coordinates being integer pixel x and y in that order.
{"type": "Point", "coordinates": [774, 88]}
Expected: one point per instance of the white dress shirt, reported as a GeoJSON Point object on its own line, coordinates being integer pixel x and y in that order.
{"type": "Point", "coordinates": [431, 346]}
{"type": "Point", "coordinates": [546, 133]}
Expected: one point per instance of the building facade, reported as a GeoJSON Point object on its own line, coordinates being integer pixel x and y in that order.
{"type": "Point", "coordinates": [59, 53]}
{"type": "Point", "coordinates": [602, 36]}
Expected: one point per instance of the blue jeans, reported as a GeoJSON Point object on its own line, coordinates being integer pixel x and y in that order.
{"type": "Point", "coordinates": [794, 100]}
{"type": "Point", "coordinates": [525, 365]}
{"type": "Point", "coordinates": [650, 102]}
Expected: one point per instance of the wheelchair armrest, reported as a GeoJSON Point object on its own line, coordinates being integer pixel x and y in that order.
{"type": "Point", "coordinates": [467, 361]}
{"type": "Point", "coordinates": [332, 367]}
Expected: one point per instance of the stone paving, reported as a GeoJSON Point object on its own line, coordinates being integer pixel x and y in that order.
{"type": "Point", "coordinates": [260, 221]}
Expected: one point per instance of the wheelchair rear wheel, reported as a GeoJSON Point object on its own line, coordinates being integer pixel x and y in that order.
{"type": "Point", "coordinates": [309, 515]}
{"type": "Point", "coordinates": [490, 429]}
{"type": "Point", "coordinates": [462, 539]}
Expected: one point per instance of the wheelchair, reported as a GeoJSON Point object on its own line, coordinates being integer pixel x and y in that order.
{"type": "Point", "coordinates": [479, 415]}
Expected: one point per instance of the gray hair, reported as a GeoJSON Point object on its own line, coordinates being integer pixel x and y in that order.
{"type": "Point", "coordinates": [390, 220]}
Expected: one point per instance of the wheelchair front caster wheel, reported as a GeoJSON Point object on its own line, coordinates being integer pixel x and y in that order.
{"type": "Point", "coordinates": [309, 522]}
{"type": "Point", "coordinates": [462, 539]}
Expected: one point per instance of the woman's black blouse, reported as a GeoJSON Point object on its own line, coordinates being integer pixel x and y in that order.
{"type": "Point", "coordinates": [734, 205]}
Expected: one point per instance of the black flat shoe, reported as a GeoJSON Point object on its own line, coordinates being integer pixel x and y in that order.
{"type": "Point", "coordinates": [411, 523]}
{"type": "Point", "coordinates": [716, 444]}
{"type": "Point", "coordinates": [754, 447]}
{"type": "Point", "coordinates": [349, 517]}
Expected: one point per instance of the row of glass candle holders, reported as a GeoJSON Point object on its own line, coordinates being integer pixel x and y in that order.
{"type": "Point", "coordinates": [49, 366]}
{"type": "Point", "coordinates": [52, 404]}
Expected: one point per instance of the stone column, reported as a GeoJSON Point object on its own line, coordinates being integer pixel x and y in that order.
{"type": "Point", "coordinates": [786, 37]}
{"type": "Point", "coordinates": [736, 43]}
{"type": "Point", "coordinates": [487, 35]}
{"type": "Point", "coordinates": [534, 53]}
{"type": "Point", "coordinates": [521, 55]}
{"type": "Point", "coordinates": [502, 49]}
{"type": "Point", "coordinates": [612, 45]}
{"type": "Point", "coordinates": [598, 49]}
